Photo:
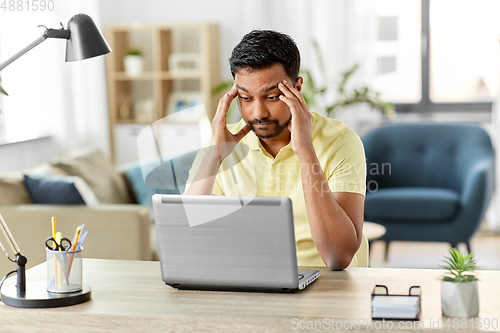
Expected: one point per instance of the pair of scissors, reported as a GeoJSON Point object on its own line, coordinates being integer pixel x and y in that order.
{"type": "Point", "coordinates": [51, 244]}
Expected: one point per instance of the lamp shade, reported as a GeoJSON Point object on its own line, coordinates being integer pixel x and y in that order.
{"type": "Point", "coordinates": [86, 41]}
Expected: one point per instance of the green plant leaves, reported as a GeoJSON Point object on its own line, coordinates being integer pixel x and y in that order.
{"type": "Point", "coordinates": [457, 264]}
{"type": "Point", "coordinates": [224, 86]}
{"type": "Point", "coordinates": [135, 51]}
{"type": "Point", "coordinates": [2, 91]}
{"type": "Point", "coordinates": [309, 89]}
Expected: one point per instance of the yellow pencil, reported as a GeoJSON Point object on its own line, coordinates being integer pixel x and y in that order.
{"type": "Point", "coordinates": [54, 229]}
{"type": "Point", "coordinates": [59, 266]}
{"type": "Point", "coordinates": [56, 268]}
{"type": "Point", "coordinates": [58, 240]}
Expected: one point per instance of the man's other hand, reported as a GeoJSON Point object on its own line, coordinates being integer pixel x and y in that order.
{"type": "Point", "coordinates": [225, 141]}
{"type": "Point", "coordinates": [300, 126]}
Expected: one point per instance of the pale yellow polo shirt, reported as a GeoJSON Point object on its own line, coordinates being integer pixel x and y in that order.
{"type": "Point", "coordinates": [251, 171]}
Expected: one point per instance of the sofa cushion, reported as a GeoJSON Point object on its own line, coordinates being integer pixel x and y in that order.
{"type": "Point", "coordinates": [57, 190]}
{"type": "Point", "coordinates": [96, 170]}
{"type": "Point", "coordinates": [142, 192]}
{"type": "Point", "coordinates": [404, 204]}
{"type": "Point", "coordinates": [148, 178]}
{"type": "Point", "coordinates": [12, 190]}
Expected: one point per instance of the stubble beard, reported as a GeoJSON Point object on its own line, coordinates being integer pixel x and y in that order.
{"type": "Point", "coordinates": [279, 127]}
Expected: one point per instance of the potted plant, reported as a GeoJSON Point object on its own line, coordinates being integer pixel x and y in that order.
{"type": "Point", "coordinates": [459, 294]}
{"type": "Point", "coordinates": [344, 97]}
{"type": "Point", "coordinates": [133, 62]}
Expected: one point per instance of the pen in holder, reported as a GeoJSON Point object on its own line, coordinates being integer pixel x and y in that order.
{"type": "Point", "coordinates": [64, 271]}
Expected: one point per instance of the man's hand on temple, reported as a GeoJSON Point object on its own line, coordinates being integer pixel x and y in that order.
{"type": "Point", "coordinates": [225, 141]}
{"type": "Point", "coordinates": [300, 125]}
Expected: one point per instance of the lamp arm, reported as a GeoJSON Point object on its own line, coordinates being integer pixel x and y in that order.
{"type": "Point", "coordinates": [11, 242]}
{"type": "Point", "coordinates": [20, 259]}
{"type": "Point", "coordinates": [22, 52]}
{"type": "Point", "coordinates": [49, 33]}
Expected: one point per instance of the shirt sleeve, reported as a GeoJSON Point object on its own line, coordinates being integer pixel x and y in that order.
{"type": "Point", "coordinates": [349, 171]}
{"type": "Point", "coordinates": [217, 190]}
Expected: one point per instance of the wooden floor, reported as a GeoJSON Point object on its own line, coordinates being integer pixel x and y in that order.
{"type": "Point", "coordinates": [485, 246]}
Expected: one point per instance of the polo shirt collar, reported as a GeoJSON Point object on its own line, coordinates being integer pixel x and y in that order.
{"type": "Point", "coordinates": [253, 141]}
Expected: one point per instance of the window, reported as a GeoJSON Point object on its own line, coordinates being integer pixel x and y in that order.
{"type": "Point", "coordinates": [463, 51]}
{"type": "Point", "coordinates": [396, 50]}
{"type": "Point", "coordinates": [431, 55]}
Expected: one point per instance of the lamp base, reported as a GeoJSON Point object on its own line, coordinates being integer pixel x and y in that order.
{"type": "Point", "coordinates": [37, 296]}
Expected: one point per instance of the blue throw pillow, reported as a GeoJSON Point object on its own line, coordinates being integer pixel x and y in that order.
{"type": "Point", "coordinates": [56, 190]}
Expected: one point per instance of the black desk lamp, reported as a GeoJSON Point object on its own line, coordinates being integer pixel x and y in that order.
{"type": "Point", "coordinates": [84, 41]}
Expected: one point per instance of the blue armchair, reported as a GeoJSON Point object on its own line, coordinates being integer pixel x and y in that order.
{"type": "Point", "coordinates": [428, 182]}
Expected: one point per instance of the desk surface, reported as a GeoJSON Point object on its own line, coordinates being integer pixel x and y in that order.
{"type": "Point", "coordinates": [129, 296]}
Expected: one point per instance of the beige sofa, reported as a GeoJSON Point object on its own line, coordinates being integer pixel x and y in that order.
{"type": "Point", "coordinates": [118, 228]}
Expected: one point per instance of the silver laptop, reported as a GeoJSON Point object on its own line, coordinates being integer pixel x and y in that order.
{"type": "Point", "coordinates": [228, 243]}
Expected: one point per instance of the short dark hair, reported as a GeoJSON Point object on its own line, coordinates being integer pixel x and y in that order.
{"type": "Point", "coordinates": [261, 49]}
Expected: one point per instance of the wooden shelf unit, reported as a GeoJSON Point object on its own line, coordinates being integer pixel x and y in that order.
{"type": "Point", "coordinates": [157, 82]}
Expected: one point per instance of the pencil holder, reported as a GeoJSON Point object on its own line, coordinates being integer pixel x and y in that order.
{"type": "Point", "coordinates": [64, 271]}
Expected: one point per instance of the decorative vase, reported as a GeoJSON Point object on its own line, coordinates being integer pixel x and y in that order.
{"type": "Point", "coordinates": [459, 299]}
{"type": "Point", "coordinates": [133, 65]}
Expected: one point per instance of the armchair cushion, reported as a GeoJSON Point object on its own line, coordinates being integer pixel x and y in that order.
{"type": "Point", "coordinates": [426, 205]}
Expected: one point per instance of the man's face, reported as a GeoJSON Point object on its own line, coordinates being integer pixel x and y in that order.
{"type": "Point", "coordinates": [258, 97]}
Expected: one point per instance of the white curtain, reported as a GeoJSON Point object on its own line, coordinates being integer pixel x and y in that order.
{"type": "Point", "coordinates": [493, 214]}
{"type": "Point", "coordinates": [87, 120]}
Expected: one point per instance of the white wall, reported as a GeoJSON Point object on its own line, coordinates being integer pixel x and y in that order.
{"type": "Point", "coordinates": [26, 154]}
{"type": "Point", "coordinates": [303, 20]}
